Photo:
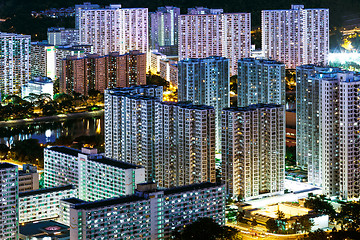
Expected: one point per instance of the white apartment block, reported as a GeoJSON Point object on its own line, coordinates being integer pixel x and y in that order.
{"type": "Point", "coordinates": [260, 81]}
{"type": "Point", "coordinates": [114, 29]}
{"type": "Point", "coordinates": [149, 214]}
{"type": "Point", "coordinates": [206, 81]}
{"type": "Point", "coordinates": [340, 126]}
{"type": "Point", "coordinates": [9, 208]}
{"type": "Point", "coordinates": [94, 176]}
{"type": "Point", "coordinates": [308, 105]}
{"type": "Point", "coordinates": [129, 125]}
{"type": "Point", "coordinates": [202, 35]}
{"type": "Point", "coordinates": [253, 150]}
{"type": "Point", "coordinates": [296, 36]}
{"type": "Point", "coordinates": [14, 62]}
{"type": "Point", "coordinates": [43, 204]}
{"type": "Point", "coordinates": [184, 144]}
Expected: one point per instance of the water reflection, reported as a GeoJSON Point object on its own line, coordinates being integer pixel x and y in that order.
{"type": "Point", "coordinates": [49, 131]}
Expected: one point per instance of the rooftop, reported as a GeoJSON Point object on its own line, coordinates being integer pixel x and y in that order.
{"type": "Point", "coordinates": [44, 227]}
{"type": "Point", "coordinates": [191, 187]}
{"type": "Point", "coordinates": [108, 202]}
{"type": "Point", "coordinates": [112, 162]}
{"type": "Point", "coordinates": [5, 165]}
{"type": "Point", "coordinates": [188, 105]}
{"type": "Point", "coordinates": [73, 200]}
{"type": "Point", "coordinates": [65, 150]}
{"type": "Point", "coordinates": [251, 107]}
{"type": "Point", "coordinates": [46, 190]}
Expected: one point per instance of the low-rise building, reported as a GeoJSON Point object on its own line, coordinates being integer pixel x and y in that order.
{"type": "Point", "coordinates": [149, 214]}
{"type": "Point", "coordinates": [43, 204]}
{"type": "Point", "coordinates": [94, 175]}
{"type": "Point", "coordinates": [38, 86]}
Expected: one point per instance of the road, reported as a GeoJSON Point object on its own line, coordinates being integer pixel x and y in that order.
{"type": "Point", "coordinates": [258, 232]}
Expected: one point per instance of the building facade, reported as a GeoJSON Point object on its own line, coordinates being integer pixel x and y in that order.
{"type": "Point", "coordinates": [150, 214]}
{"type": "Point", "coordinates": [114, 29]}
{"type": "Point", "coordinates": [95, 176]}
{"type": "Point", "coordinates": [95, 72]}
{"type": "Point", "coordinates": [164, 29]}
{"type": "Point", "coordinates": [206, 81]}
{"type": "Point", "coordinates": [340, 120]}
{"type": "Point", "coordinates": [227, 35]}
{"type": "Point", "coordinates": [260, 81]}
{"type": "Point", "coordinates": [43, 204]}
{"type": "Point", "coordinates": [253, 150]}
{"type": "Point", "coordinates": [184, 144]}
{"type": "Point", "coordinates": [308, 109]}
{"type": "Point", "coordinates": [9, 194]}
{"type": "Point", "coordinates": [28, 178]}
{"type": "Point", "coordinates": [130, 125]}
{"type": "Point", "coordinates": [38, 86]}
{"type": "Point", "coordinates": [297, 36]}
{"type": "Point", "coordinates": [63, 36]}
{"type": "Point", "coordinates": [14, 62]}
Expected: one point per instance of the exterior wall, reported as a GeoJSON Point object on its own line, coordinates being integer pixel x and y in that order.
{"type": "Point", "coordinates": [260, 81]}
{"type": "Point", "coordinates": [9, 194]}
{"type": "Point", "coordinates": [184, 144]}
{"type": "Point", "coordinates": [129, 125]}
{"type": "Point", "coordinates": [28, 182]}
{"type": "Point", "coordinates": [114, 29]}
{"type": "Point", "coordinates": [89, 172]}
{"type": "Point", "coordinates": [155, 215]}
{"type": "Point", "coordinates": [60, 169]}
{"type": "Point", "coordinates": [227, 35]}
{"type": "Point", "coordinates": [43, 205]}
{"type": "Point", "coordinates": [206, 82]}
{"type": "Point", "coordinates": [164, 29]}
{"type": "Point", "coordinates": [253, 150]}
{"type": "Point", "coordinates": [292, 36]}
{"type": "Point", "coordinates": [14, 62]}
{"type": "Point", "coordinates": [98, 73]}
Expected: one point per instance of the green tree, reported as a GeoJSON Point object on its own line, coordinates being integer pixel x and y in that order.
{"type": "Point", "coordinates": [349, 216]}
{"type": "Point", "coordinates": [316, 235]}
{"type": "Point", "coordinates": [320, 205]}
{"type": "Point", "coordinates": [272, 225]}
{"type": "Point", "coordinates": [305, 224]}
{"type": "Point", "coordinates": [205, 229]}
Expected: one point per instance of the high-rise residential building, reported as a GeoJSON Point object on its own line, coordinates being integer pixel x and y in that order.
{"type": "Point", "coordinates": [204, 10]}
{"type": "Point", "coordinates": [130, 125]}
{"type": "Point", "coordinates": [114, 29]}
{"type": "Point", "coordinates": [79, 7]}
{"type": "Point", "coordinates": [63, 36]}
{"type": "Point", "coordinates": [38, 59]}
{"type": "Point", "coordinates": [203, 34]}
{"type": "Point", "coordinates": [184, 144]}
{"type": "Point", "coordinates": [43, 204]}
{"type": "Point", "coordinates": [9, 207]}
{"type": "Point", "coordinates": [164, 29]}
{"type": "Point", "coordinates": [308, 105]}
{"type": "Point", "coordinates": [253, 150]}
{"type": "Point", "coordinates": [297, 36]}
{"type": "Point", "coordinates": [14, 62]}
{"type": "Point", "coordinates": [149, 214]}
{"type": "Point", "coordinates": [95, 176]}
{"type": "Point", "coordinates": [95, 72]}
{"type": "Point", "coordinates": [339, 128]}
{"type": "Point", "coordinates": [206, 81]}
{"type": "Point", "coordinates": [260, 81]}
